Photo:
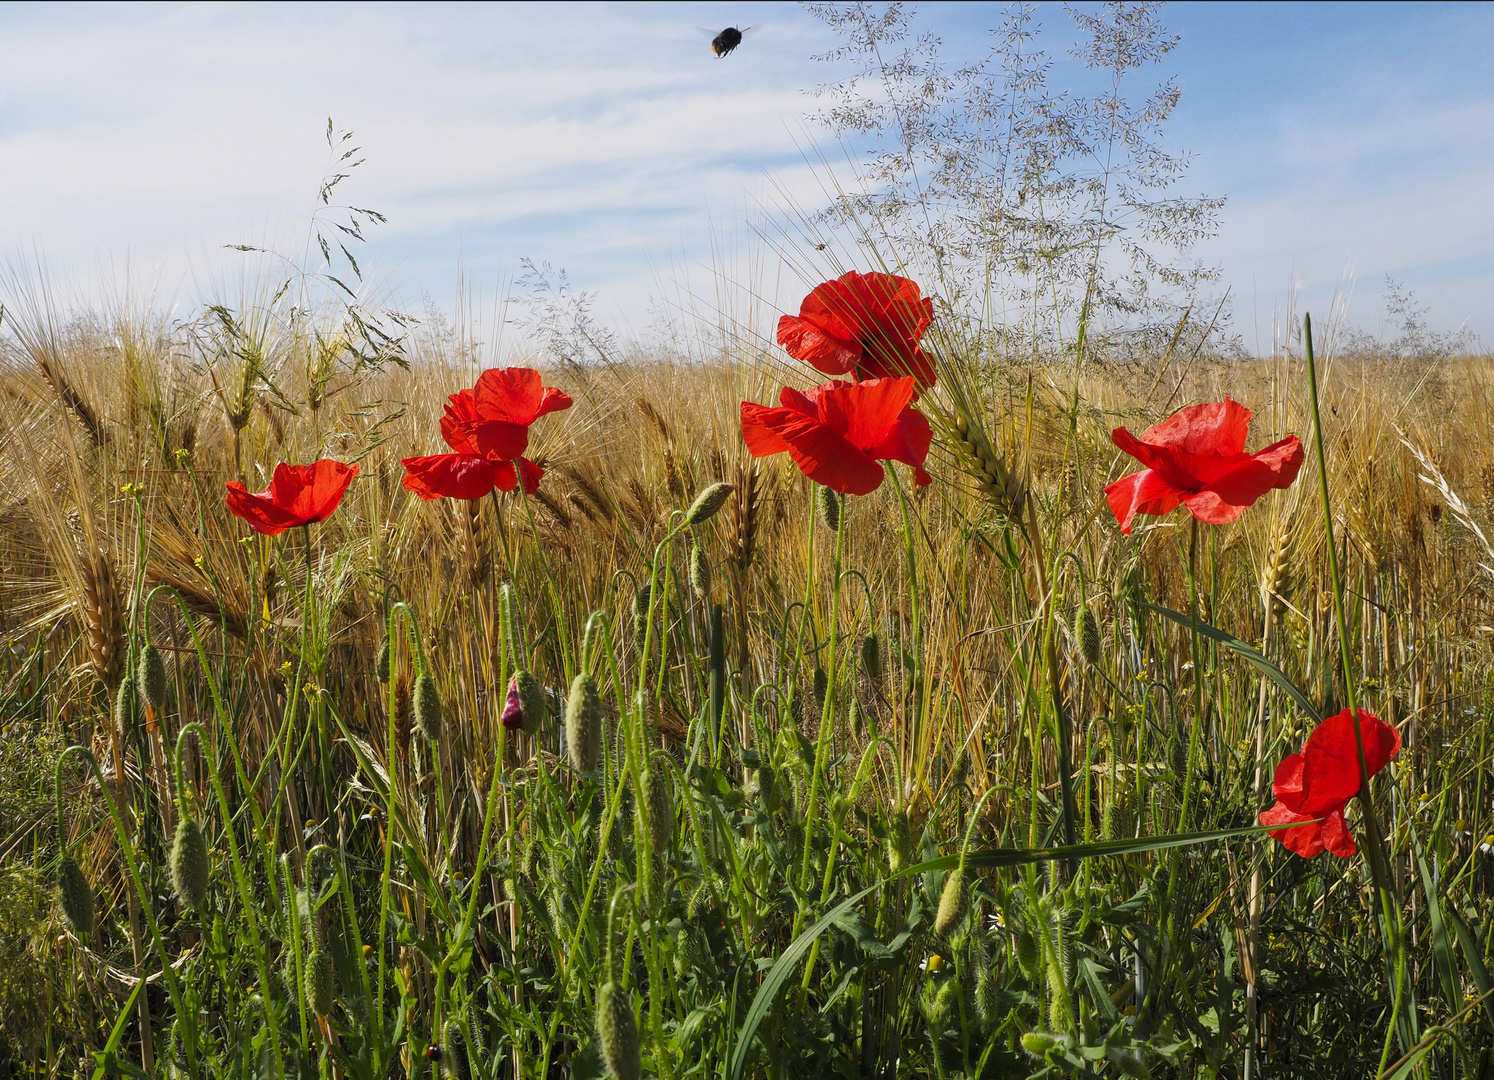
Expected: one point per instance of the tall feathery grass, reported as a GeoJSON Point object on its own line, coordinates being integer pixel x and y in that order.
{"type": "Point", "coordinates": [915, 784]}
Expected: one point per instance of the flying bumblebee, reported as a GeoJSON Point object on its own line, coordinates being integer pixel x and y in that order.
{"type": "Point", "coordinates": [727, 40]}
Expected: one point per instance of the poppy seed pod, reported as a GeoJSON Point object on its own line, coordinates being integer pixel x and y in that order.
{"type": "Point", "coordinates": [952, 903]}
{"type": "Point", "coordinates": [1087, 635]}
{"type": "Point", "coordinates": [708, 503]}
{"type": "Point", "coordinates": [656, 808]}
{"type": "Point", "coordinates": [827, 507]}
{"type": "Point", "coordinates": [871, 657]}
{"type": "Point", "coordinates": [427, 705]}
{"type": "Point", "coordinates": [531, 699]}
{"type": "Point", "coordinates": [700, 572]}
{"type": "Point", "coordinates": [583, 724]}
{"type": "Point", "coordinates": [617, 1031]}
{"type": "Point", "coordinates": [321, 982]}
{"type": "Point", "coordinates": [75, 895]}
{"type": "Point", "coordinates": [454, 1052]}
{"type": "Point", "coordinates": [381, 660]}
{"type": "Point", "coordinates": [189, 863]}
{"type": "Point", "coordinates": [150, 674]}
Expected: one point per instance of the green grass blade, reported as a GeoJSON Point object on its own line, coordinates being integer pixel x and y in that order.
{"type": "Point", "coordinates": [1254, 656]}
{"type": "Point", "coordinates": [781, 971]}
{"type": "Point", "coordinates": [1441, 945]}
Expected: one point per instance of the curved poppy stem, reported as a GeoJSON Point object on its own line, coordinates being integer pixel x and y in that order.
{"type": "Point", "coordinates": [1379, 868]}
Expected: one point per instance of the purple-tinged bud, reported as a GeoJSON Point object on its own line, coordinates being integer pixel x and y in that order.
{"type": "Point", "coordinates": [513, 711]}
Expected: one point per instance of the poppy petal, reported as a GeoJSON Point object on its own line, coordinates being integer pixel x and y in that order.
{"type": "Point", "coordinates": [1217, 427]}
{"type": "Point", "coordinates": [511, 394]}
{"type": "Point", "coordinates": [452, 476]}
{"type": "Point", "coordinates": [908, 442]}
{"type": "Point", "coordinates": [508, 474]}
{"type": "Point", "coordinates": [1299, 833]}
{"type": "Point", "coordinates": [1287, 784]}
{"type": "Point", "coordinates": [760, 429]}
{"type": "Point", "coordinates": [498, 440]}
{"type": "Point", "coordinates": [1337, 840]}
{"type": "Point", "coordinates": [818, 346]}
{"type": "Point", "coordinates": [1209, 508]}
{"type": "Point", "coordinates": [1145, 492]}
{"type": "Point", "coordinates": [1330, 775]}
{"type": "Point", "coordinates": [1274, 467]}
{"type": "Point", "coordinates": [311, 492]}
{"type": "Point", "coordinates": [1183, 469]}
{"type": "Point", "coordinates": [259, 510]}
{"type": "Point", "coordinates": [864, 413]}
{"type": "Point", "coordinates": [552, 400]}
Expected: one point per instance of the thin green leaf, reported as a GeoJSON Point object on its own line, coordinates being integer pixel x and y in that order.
{"type": "Point", "coordinates": [1254, 656]}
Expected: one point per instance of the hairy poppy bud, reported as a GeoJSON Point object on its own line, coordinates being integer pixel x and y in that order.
{"type": "Point", "coordinates": [871, 657]}
{"type": "Point", "coordinates": [1027, 953]}
{"type": "Point", "coordinates": [454, 1045]}
{"type": "Point", "coordinates": [1087, 635]}
{"type": "Point", "coordinates": [531, 700]}
{"type": "Point", "coordinates": [821, 688]}
{"type": "Point", "coordinates": [987, 1001]}
{"type": "Point", "coordinates": [509, 601]}
{"type": "Point", "coordinates": [381, 660]}
{"type": "Point", "coordinates": [946, 1004]}
{"type": "Point", "coordinates": [617, 1031]}
{"type": "Point", "coordinates": [124, 709]}
{"type": "Point", "coordinates": [189, 863]}
{"type": "Point", "coordinates": [899, 843]}
{"type": "Point", "coordinates": [321, 982]}
{"type": "Point", "coordinates": [700, 572]}
{"type": "Point", "coordinates": [656, 808]}
{"type": "Point", "coordinates": [583, 724]}
{"type": "Point", "coordinates": [150, 674]}
{"type": "Point", "coordinates": [951, 903]}
{"type": "Point", "coordinates": [427, 705]}
{"type": "Point", "coordinates": [1038, 1043]}
{"type": "Point", "coordinates": [708, 503]}
{"type": "Point", "coordinates": [75, 896]}
{"type": "Point", "coordinates": [827, 505]}
{"type": "Point", "coordinates": [640, 613]}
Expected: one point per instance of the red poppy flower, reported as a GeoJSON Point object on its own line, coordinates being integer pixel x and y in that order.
{"type": "Point", "coordinates": [869, 324]}
{"type": "Point", "coordinates": [488, 428]}
{"type": "Point", "coordinates": [297, 495]}
{"type": "Point", "coordinates": [1320, 781]}
{"type": "Point", "coordinates": [836, 433]}
{"type": "Point", "coordinates": [1197, 457]}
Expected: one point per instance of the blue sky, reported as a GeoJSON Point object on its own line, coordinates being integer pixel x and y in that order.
{"type": "Point", "coordinates": [1353, 142]}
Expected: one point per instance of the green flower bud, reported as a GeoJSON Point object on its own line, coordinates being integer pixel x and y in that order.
{"type": "Point", "coordinates": [899, 843]}
{"type": "Point", "coordinates": [454, 1052]}
{"type": "Point", "coordinates": [531, 700]}
{"type": "Point", "coordinates": [124, 710]}
{"type": "Point", "coordinates": [427, 705]}
{"type": "Point", "coordinates": [951, 903]}
{"type": "Point", "coordinates": [700, 572]}
{"type": "Point", "coordinates": [946, 1005]}
{"type": "Point", "coordinates": [583, 724]}
{"type": "Point", "coordinates": [821, 688]}
{"type": "Point", "coordinates": [871, 658]}
{"type": "Point", "coordinates": [617, 1031]}
{"type": "Point", "coordinates": [381, 660]}
{"type": "Point", "coordinates": [1087, 635]}
{"type": "Point", "coordinates": [189, 863]}
{"type": "Point", "coordinates": [1037, 1043]}
{"type": "Point", "coordinates": [708, 503]}
{"type": "Point", "coordinates": [1027, 954]}
{"type": "Point", "coordinates": [150, 676]}
{"type": "Point", "coordinates": [321, 982]}
{"type": "Point", "coordinates": [827, 506]}
{"type": "Point", "coordinates": [656, 808]}
{"type": "Point", "coordinates": [75, 896]}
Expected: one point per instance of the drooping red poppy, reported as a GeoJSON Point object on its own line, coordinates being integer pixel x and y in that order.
{"type": "Point", "coordinates": [297, 495]}
{"type": "Point", "coordinates": [488, 428]}
{"type": "Point", "coordinates": [838, 432]}
{"type": "Point", "coordinates": [866, 324]}
{"type": "Point", "coordinates": [1197, 457]}
{"type": "Point", "coordinates": [1320, 781]}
